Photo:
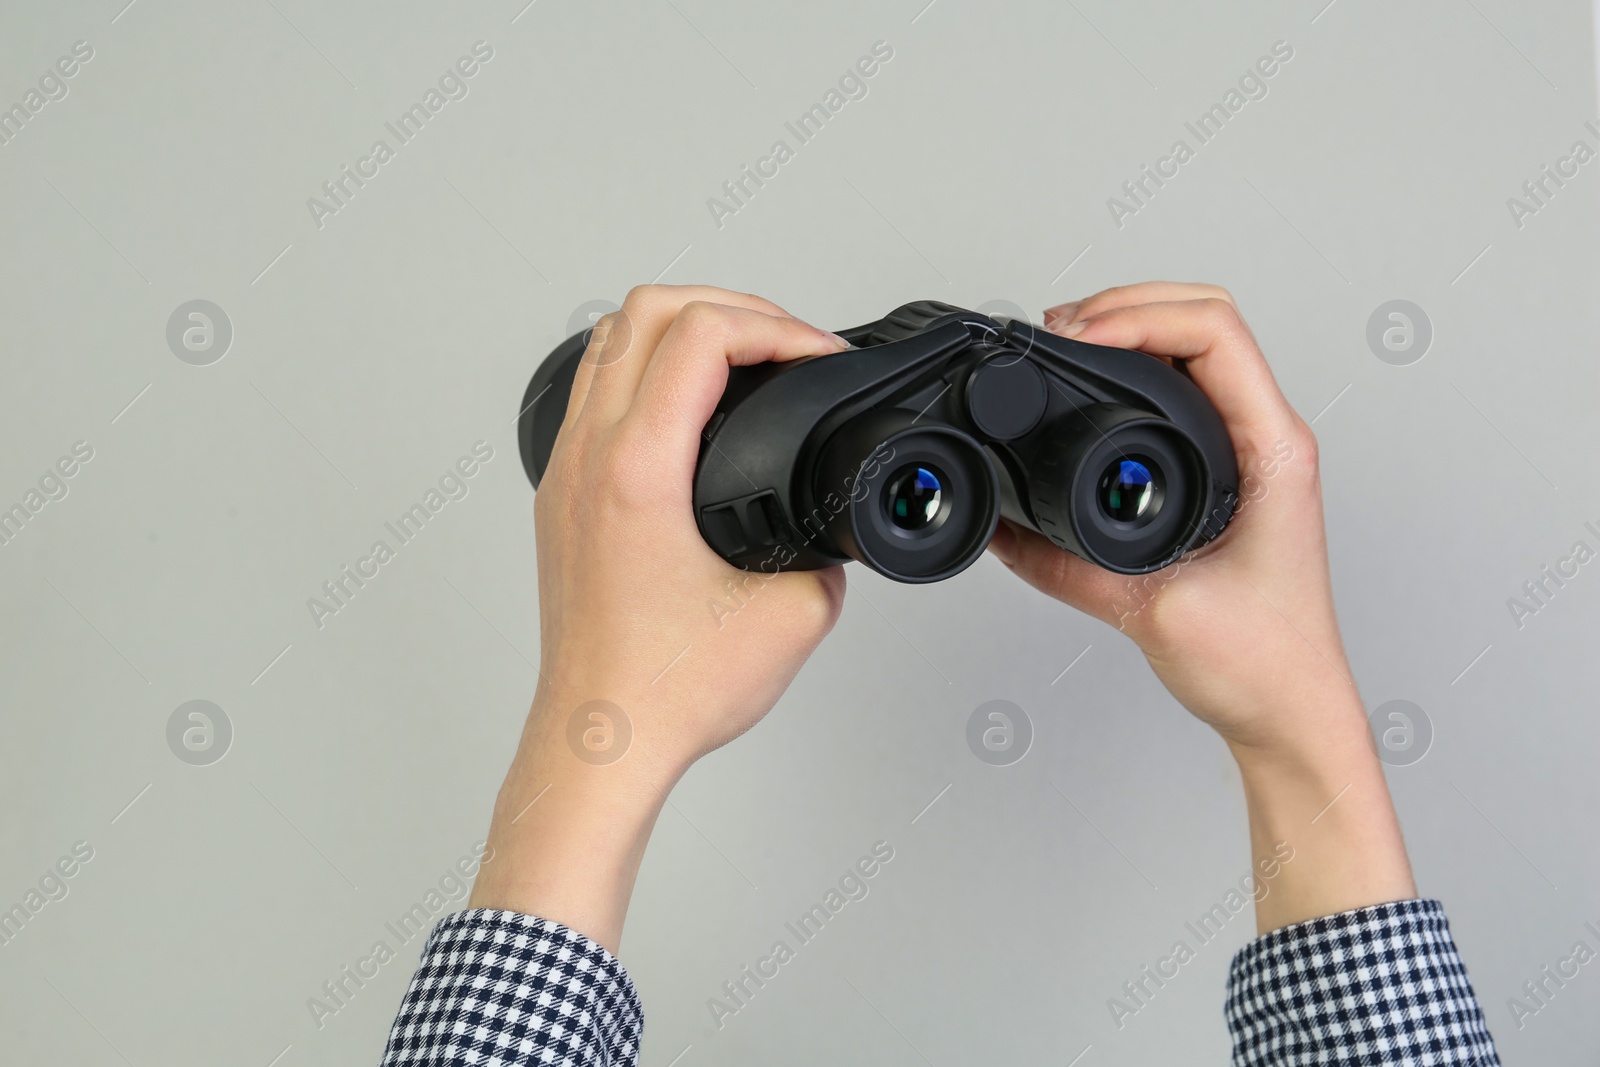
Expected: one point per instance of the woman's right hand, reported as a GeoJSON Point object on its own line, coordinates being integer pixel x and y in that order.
{"type": "Point", "coordinates": [1243, 631]}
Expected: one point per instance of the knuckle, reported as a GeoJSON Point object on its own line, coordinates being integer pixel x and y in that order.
{"type": "Point", "coordinates": [817, 611]}
{"type": "Point", "coordinates": [1155, 623]}
{"type": "Point", "coordinates": [702, 321]}
{"type": "Point", "coordinates": [647, 303]}
{"type": "Point", "coordinates": [1170, 607]}
{"type": "Point", "coordinates": [1304, 442]}
{"type": "Point", "coordinates": [1152, 617]}
{"type": "Point", "coordinates": [701, 311]}
{"type": "Point", "coordinates": [1292, 456]}
{"type": "Point", "coordinates": [1221, 311]}
{"type": "Point", "coordinates": [1222, 319]}
{"type": "Point", "coordinates": [604, 328]}
{"type": "Point", "coordinates": [643, 297]}
{"type": "Point", "coordinates": [810, 614]}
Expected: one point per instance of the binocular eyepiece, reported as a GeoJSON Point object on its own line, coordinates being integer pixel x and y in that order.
{"type": "Point", "coordinates": [904, 452]}
{"type": "Point", "coordinates": [921, 501]}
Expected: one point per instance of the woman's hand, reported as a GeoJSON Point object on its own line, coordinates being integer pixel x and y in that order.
{"type": "Point", "coordinates": [650, 644]}
{"type": "Point", "coordinates": [1243, 631]}
{"type": "Point", "coordinates": [634, 606]}
{"type": "Point", "coordinates": [1260, 595]}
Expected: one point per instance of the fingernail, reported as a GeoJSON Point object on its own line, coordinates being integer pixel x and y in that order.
{"type": "Point", "coordinates": [840, 341]}
{"type": "Point", "coordinates": [1004, 543]}
{"type": "Point", "coordinates": [1073, 329]}
{"type": "Point", "coordinates": [1061, 312]}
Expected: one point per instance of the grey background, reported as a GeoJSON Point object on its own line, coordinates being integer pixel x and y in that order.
{"type": "Point", "coordinates": [370, 354]}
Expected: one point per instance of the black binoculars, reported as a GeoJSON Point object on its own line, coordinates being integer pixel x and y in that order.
{"type": "Point", "coordinates": [904, 451]}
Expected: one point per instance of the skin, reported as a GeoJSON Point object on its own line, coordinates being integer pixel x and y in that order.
{"type": "Point", "coordinates": [625, 588]}
{"type": "Point", "coordinates": [1242, 632]}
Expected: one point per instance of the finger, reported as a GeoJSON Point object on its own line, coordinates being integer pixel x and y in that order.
{"type": "Point", "coordinates": [684, 379]}
{"type": "Point", "coordinates": [609, 373]}
{"type": "Point", "coordinates": [1057, 572]}
{"type": "Point", "coordinates": [607, 328]}
{"type": "Point", "coordinates": [1218, 351]}
{"type": "Point", "coordinates": [1129, 295]}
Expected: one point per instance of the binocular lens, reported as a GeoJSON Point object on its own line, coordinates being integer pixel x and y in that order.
{"type": "Point", "coordinates": [914, 497]}
{"type": "Point", "coordinates": [914, 503]}
{"type": "Point", "coordinates": [1120, 487]}
{"type": "Point", "coordinates": [1130, 489]}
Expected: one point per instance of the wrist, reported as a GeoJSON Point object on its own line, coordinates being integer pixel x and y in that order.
{"type": "Point", "coordinates": [577, 724]}
{"type": "Point", "coordinates": [1310, 738]}
{"type": "Point", "coordinates": [1324, 796]}
{"type": "Point", "coordinates": [572, 820]}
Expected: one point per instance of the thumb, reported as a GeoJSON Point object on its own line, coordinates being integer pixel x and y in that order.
{"type": "Point", "coordinates": [1058, 573]}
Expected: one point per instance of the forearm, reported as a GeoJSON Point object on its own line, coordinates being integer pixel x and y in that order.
{"type": "Point", "coordinates": [1325, 797]}
{"type": "Point", "coordinates": [533, 959]}
{"type": "Point", "coordinates": [568, 835]}
{"type": "Point", "coordinates": [1351, 968]}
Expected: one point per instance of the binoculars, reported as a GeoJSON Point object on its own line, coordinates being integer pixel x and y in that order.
{"type": "Point", "coordinates": [904, 451]}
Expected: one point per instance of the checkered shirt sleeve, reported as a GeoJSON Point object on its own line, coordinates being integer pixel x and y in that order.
{"type": "Point", "coordinates": [1379, 985]}
{"type": "Point", "coordinates": [498, 988]}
